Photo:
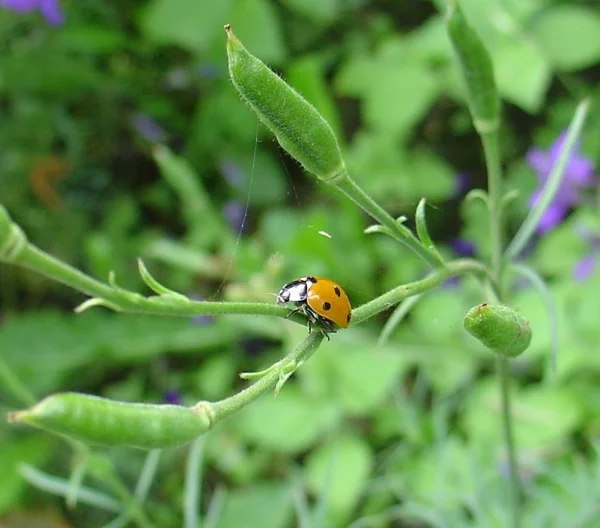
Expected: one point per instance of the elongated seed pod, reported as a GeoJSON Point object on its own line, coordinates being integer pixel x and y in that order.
{"type": "Point", "coordinates": [499, 328]}
{"type": "Point", "coordinates": [100, 421]}
{"type": "Point", "coordinates": [300, 129]}
{"type": "Point", "coordinates": [477, 69]}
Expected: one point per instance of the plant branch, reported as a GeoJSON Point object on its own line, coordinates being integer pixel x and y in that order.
{"type": "Point", "coordinates": [395, 229]}
{"type": "Point", "coordinates": [393, 297]}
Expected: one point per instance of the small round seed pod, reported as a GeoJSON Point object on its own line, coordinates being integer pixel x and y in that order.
{"type": "Point", "coordinates": [100, 421]}
{"type": "Point", "coordinates": [300, 129]}
{"type": "Point", "coordinates": [499, 328]}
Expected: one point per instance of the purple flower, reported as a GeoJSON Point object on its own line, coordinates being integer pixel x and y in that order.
{"type": "Point", "coordinates": [172, 397]}
{"type": "Point", "coordinates": [234, 213]}
{"type": "Point", "coordinates": [462, 247]}
{"type": "Point", "coordinates": [146, 127]}
{"type": "Point", "coordinates": [586, 265]}
{"type": "Point", "coordinates": [232, 172]}
{"type": "Point", "coordinates": [49, 9]}
{"type": "Point", "coordinates": [461, 184]}
{"type": "Point", "coordinates": [578, 175]}
{"type": "Point", "coordinates": [584, 268]}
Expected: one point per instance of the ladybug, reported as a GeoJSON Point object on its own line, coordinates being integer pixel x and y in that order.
{"type": "Point", "coordinates": [323, 301]}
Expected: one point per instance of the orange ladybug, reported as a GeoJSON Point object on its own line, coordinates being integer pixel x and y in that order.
{"type": "Point", "coordinates": [323, 301]}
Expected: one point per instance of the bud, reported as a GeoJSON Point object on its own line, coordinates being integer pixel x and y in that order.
{"type": "Point", "coordinates": [499, 328]}
{"type": "Point", "coordinates": [300, 129]}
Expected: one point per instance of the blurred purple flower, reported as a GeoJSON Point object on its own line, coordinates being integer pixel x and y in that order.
{"type": "Point", "coordinates": [146, 127]}
{"type": "Point", "coordinates": [587, 265]}
{"type": "Point", "coordinates": [208, 70]}
{"type": "Point", "coordinates": [461, 184]}
{"type": "Point", "coordinates": [49, 9]}
{"type": "Point", "coordinates": [462, 247]}
{"type": "Point", "coordinates": [172, 397]}
{"type": "Point", "coordinates": [584, 268]}
{"type": "Point", "coordinates": [232, 172]}
{"type": "Point", "coordinates": [578, 175]}
{"type": "Point", "coordinates": [233, 211]}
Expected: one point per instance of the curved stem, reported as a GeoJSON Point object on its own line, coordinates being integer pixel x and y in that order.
{"type": "Point", "coordinates": [393, 297]}
{"type": "Point", "coordinates": [349, 187]}
{"type": "Point", "coordinates": [15, 249]}
{"type": "Point", "coordinates": [274, 375]}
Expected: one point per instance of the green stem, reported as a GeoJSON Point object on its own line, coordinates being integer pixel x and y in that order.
{"type": "Point", "coordinates": [270, 380]}
{"type": "Point", "coordinates": [515, 481]}
{"type": "Point", "coordinates": [349, 187]}
{"type": "Point", "coordinates": [393, 297]}
{"type": "Point", "coordinates": [15, 249]}
{"type": "Point", "coordinates": [492, 160]}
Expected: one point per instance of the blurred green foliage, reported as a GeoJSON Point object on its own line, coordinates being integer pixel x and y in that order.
{"type": "Point", "coordinates": [121, 137]}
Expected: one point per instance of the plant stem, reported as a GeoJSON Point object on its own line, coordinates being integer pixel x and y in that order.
{"type": "Point", "coordinates": [393, 297]}
{"type": "Point", "coordinates": [31, 257]}
{"type": "Point", "coordinates": [515, 481]}
{"type": "Point", "coordinates": [274, 375]}
{"type": "Point", "coordinates": [349, 187]}
{"type": "Point", "coordinates": [492, 160]}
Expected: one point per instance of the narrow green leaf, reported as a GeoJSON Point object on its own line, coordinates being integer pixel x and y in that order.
{"type": "Point", "coordinates": [540, 286]}
{"type": "Point", "coordinates": [156, 286]}
{"type": "Point", "coordinates": [552, 185]}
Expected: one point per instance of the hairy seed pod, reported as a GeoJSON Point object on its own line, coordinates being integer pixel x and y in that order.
{"type": "Point", "coordinates": [477, 69]}
{"type": "Point", "coordinates": [499, 328]}
{"type": "Point", "coordinates": [95, 420]}
{"type": "Point", "coordinates": [300, 129]}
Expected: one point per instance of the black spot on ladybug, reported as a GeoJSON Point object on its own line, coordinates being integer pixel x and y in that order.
{"type": "Point", "coordinates": [337, 291]}
{"type": "Point", "coordinates": [326, 306]}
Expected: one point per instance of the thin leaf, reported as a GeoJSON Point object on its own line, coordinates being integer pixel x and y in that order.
{"type": "Point", "coordinates": [193, 483]}
{"type": "Point", "coordinates": [59, 486]}
{"type": "Point", "coordinates": [156, 286]}
{"type": "Point", "coordinates": [540, 286]}
{"type": "Point", "coordinates": [551, 187]}
{"type": "Point", "coordinates": [215, 507]}
{"type": "Point", "coordinates": [396, 318]}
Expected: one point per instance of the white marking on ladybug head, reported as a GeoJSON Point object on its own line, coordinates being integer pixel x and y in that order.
{"type": "Point", "coordinates": [292, 292]}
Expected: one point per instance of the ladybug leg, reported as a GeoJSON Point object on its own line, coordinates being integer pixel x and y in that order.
{"type": "Point", "coordinates": [294, 311]}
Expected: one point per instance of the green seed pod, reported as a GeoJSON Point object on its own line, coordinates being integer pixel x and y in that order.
{"type": "Point", "coordinates": [499, 328]}
{"type": "Point", "coordinates": [300, 129]}
{"type": "Point", "coordinates": [477, 68]}
{"type": "Point", "coordinates": [100, 421]}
